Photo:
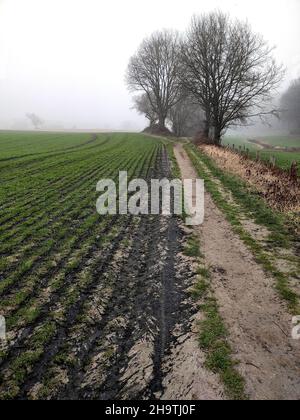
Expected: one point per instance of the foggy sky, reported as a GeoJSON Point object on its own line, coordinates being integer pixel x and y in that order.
{"type": "Point", "coordinates": [65, 60]}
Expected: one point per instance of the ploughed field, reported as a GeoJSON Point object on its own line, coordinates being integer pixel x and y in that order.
{"type": "Point", "coordinates": [85, 295]}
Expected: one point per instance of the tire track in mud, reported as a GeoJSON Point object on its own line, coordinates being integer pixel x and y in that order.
{"type": "Point", "coordinates": [129, 287]}
{"type": "Point", "coordinates": [170, 309]}
{"type": "Point", "coordinates": [158, 301]}
{"type": "Point", "coordinates": [149, 311]}
{"type": "Point", "coordinates": [148, 303]}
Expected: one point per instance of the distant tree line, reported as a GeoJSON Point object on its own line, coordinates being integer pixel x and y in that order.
{"type": "Point", "coordinates": [217, 75]}
{"type": "Point", "coordinates": [290, 104]}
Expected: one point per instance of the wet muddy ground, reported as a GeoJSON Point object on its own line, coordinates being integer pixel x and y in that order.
{"type": "Point", "coordinates": [130, 323]}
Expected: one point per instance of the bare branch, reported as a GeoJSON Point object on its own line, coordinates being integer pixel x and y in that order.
{"type": "Point", "coordinates": [154, 70]}
{"type": "Point", "coordinates": [229, 70]}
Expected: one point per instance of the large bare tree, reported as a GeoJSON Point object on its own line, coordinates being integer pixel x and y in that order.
{"type": "Point", "coordinates": [229, 70]}
{"type": "Point", "coordinates": [154, 70]}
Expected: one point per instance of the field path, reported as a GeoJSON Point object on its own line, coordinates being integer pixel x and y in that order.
{"type": "Point", "coordinates": [257, 320]}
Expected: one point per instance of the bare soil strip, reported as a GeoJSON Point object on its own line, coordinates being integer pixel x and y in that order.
{"type": "Point", "coordinates": [258, 321]}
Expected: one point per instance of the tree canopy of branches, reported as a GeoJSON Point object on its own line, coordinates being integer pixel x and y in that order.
{"type": "Point", "coordinates": [229, 70]}
{"type": "Point", "coordinates": [154, 71]}
{"type": "Point", "coordinates": [143, 106]}
{"type": "Point", "coordinates": [290, 102]}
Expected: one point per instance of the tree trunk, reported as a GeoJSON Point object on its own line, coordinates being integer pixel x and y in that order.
{"type": "Point", "coordinates": [217, 136]}
{"type": "Point", "coordinates": [162, 122]}
{"type": "Point", "coordinates": [206, 129]}
{"type": "Point", "coordinates": [207, 125]}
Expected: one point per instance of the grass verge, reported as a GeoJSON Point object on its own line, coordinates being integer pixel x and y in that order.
{"type": "Point", "coordinates": [254, 207]}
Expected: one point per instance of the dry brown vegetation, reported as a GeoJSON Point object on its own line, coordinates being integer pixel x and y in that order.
{"type": "Point", "coordinates": [276, 186]}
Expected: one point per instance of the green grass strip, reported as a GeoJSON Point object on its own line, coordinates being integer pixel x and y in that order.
{"type": "Point", "coordinates": [280, 235]}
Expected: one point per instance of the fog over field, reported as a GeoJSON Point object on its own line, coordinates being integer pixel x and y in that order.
{"type": "Point", "coordinates": [65, 60]}
{"type": "Point", "coordinates": [149, 202]}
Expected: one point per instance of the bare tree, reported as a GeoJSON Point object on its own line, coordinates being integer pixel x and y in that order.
{"type": "Point", "coordinates": [35, 120]}
{"type": "Point", "coordinates": [154, 70]}
{"type": "Point", "coordinates": [144, 107]}
{"type": "Point", "coordinates": [290, 102]}
{"type": "Point", "coordinates": [229, 70]}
